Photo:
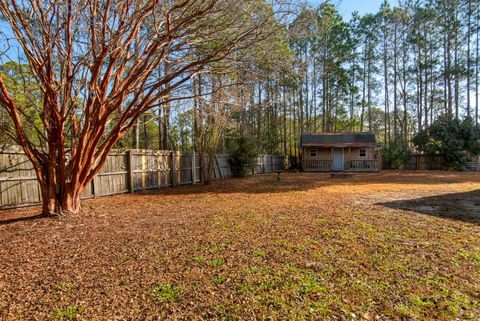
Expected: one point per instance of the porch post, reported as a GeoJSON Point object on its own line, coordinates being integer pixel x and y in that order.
{"type": "Point", "coordinates": [302, 159]}
{"type": "Point", "coordinates": [349, 156]}
{"type": "Point", "coordinates": [331, 158]}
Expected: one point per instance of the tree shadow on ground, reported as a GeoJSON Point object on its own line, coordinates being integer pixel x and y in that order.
{"type": "Point", "coordinates": [304, 181]}
{"type": "Point", "coordinates": [463, 207]}
{"type": "Point", "coordinates": [21, 219]}
{"type": "Point", "coordinates": [268, 184]}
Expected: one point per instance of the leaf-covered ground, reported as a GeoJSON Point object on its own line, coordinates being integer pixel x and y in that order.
{"type": "Point", "coordinates": [375, 246]}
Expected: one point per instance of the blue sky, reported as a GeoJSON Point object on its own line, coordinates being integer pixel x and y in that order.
{"type": "Point", "coordinates": [346, 7]}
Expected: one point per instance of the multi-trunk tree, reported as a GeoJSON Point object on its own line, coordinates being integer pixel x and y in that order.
{"type": "Point", "coordinates": [97, 65]}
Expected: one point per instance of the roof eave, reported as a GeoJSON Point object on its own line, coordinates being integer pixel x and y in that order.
{"type": "Point", "coordinates": [339, 144]}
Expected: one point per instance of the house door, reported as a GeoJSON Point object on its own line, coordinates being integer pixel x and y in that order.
{"type": "Point", "coordinates": [337, 159]}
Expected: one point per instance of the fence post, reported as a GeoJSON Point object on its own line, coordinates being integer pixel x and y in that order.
{"type": "Point", "coordinates": [194, 170]}
{"type": "Point", "coordinates": [144, 170]}
{"type": "Point", "coordinates": [130, 171]}
{"type": "Point", "coordinates": [95, 185]}
{"type": "Point", "coordinates": [173, 168]}
{"type": "Point", "coordinates": [159, 172]}
{"type": "Point", "coordinates": [178, 172]}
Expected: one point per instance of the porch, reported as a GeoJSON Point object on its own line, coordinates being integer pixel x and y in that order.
{"type": "Point", "coordinates": [353, 165]}
{"type": "Point", "coordinates": [337, 159]}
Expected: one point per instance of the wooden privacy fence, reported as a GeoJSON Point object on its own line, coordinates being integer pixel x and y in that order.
{"type": "Point", "coordinates": [129, 171]}
{"type": "Point", "coordinates": [427, 162]}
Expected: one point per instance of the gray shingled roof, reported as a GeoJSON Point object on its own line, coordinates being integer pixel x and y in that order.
{"type": "Point", "coordinates": [336, 139]}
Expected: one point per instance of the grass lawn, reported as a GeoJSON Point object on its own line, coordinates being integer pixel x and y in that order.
{"type": "Point", "coordinates": [376, 246]}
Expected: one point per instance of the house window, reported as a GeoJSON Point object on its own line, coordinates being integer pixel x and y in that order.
{"type": "Point", "coordinates": [313, 153]}
{"type": "Point", "coordinates": [362, 153]}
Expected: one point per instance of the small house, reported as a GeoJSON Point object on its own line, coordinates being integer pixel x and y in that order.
{"type": "Point", "coordinates": [340, 152]}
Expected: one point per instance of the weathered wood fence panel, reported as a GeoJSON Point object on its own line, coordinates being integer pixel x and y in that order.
{"type": "Point", "coordinates": [223, 167]}
{"type": "Point", "coordinates": [427, 162]}
{"type": "Point", "coordinates": [113, 178]}
{"type": "Point", "coordinates": [18, 183]}
{"type": "Point", "coordinates": [269, 163]}
{"type": "Point", "coordinates": [124, 171]}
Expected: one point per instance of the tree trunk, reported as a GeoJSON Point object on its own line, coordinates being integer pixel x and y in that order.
{"type": "Point", "coordinates": [385, 81]}
{"type": "Point", "coordinates": [160, 130]}
{"type": "Point", "coordinates": [364, 86]}
{"type": "Point", "coordinates": [369, 93]}
{"type": "Point", "coordinates": [307, 113]}
{"type": "Point", "coordinates": [395, 78]}
{"type": "Point", "coordinates": [456, 84]}
{"type": "Point", "coordinates": [201, 163]}
{"type": "Point", "coordinates": [209, 169]}
{"type": "Point", "coordinates": [58, 202]}
{"type": "Point", "coordinates": [145, 132]}
{"type": "Point", "coordinates": [352, 94]}
{"type": "Point", "coordinates": [285, 151]}
{"type": "Point", "coordinates": [477, 63]}
{"type": "Point", "coordinates": [49, 201]}
{"type": "Point", "coordinates": [71, 203]}
{"type": "Point", "coordinates": [136, 135]}
{"type": "Point", "coordinates": [468, 55]}
{"type": "Point", "coordinates": [259, 113]}
{"type": "Point", "coordinates": [314, 94]}
{"type": "Point", "coordinates": [166, 115]}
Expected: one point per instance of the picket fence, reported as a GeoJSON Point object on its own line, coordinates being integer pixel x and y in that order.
{"type": "Point", "coordinates": [123, 172]}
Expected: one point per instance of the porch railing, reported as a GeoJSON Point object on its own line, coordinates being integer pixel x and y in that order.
{"type": "Point", "coordinates": [318, 164]}
{"type": "Point", "coordinates": [363, 165]}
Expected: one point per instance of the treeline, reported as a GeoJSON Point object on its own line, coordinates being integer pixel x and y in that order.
{"type": "Point", "coordinates": [199, 74]}
{"type": "Point", "coordinates": [392, 73]}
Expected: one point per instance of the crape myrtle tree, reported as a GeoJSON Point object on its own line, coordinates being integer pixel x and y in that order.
{"type": "Point", "coordinates": [99, 65]}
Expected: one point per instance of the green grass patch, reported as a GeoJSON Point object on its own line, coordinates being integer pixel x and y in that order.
{"type": "Point", "coordinates": [310, 285]}
{"type": "Point", "coordinates": [63, 287]}
{"type": "Point", "coordinates": [244, 288]}
{"type": "Point", "coordinates": [217, 262]}
{"type": "Point", "coordinates": [68, 313]}
{"type": "Point", "coordinates": [219, 279]}
{"type": "Point", "coordinates": [258, 253]}
{"type": "Point", "coordinates": [251, 270]}
{"type": "Point", "coordinates": [215, 249]}
{"type": "Point", "coordinates": [199, 259]}
{"type": "Point", "coordinates": [282, 243]}
{"type": "Point", "coordinates": [418, 301]}
{"type": "Point", "coordinates": [166, 293]}
{"type": "Point", "coordinates": [471, 256]}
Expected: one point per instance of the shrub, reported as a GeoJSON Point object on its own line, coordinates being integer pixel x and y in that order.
{"type": "Point", "coordinates": [294, 162]}
{"type": "Point", "coordinates": [395, 154]}
{"type": "Point", "coordinates": [242, 155]}
{"type": "Point", "coordinates": [452, 139]}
